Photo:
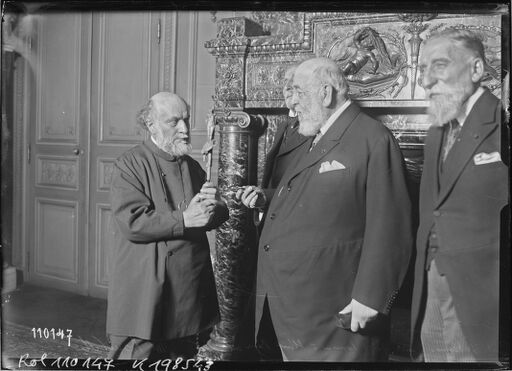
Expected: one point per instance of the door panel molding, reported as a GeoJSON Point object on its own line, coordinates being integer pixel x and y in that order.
{"type": "Point", "coordinates": [58, 115]}
{"type": "Point", "coordinates": [104, 244]}
{"type": "Point", "coordinates": [57, 172]}
{"type": "Point", "coordinates": [105, 168]}
{"type": "Point", "coordinates": [56, 245]}
{"type": "Point", "coordinates": [118, 85]}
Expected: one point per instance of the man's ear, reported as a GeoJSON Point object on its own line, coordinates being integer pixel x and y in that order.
{"type": "Point", "coordinates": [327, 94]}
{"type": "Point", "coordinates": [477, 69]}
{"type": "Point", "coordinates": [151, 126]}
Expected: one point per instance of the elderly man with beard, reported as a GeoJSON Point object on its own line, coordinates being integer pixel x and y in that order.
{"type": "Point", "coordinates": [161, 290]}
{"type": "Point", "coordinates": [463, 190]}
{"type": "Point", "coordinates": [337, 238]}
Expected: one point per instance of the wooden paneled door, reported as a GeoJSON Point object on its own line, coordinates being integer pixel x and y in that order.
{"type": "Point", "coordinates": [92, 73]}
{"type": "Point", "coordinates": [124, 75]}
{"type": "Point", "coordinates": [58, 152]}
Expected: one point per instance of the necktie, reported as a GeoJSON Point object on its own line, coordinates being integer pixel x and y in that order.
{"type": "Point", "coordinates": [315, 140]}
{"type": "Point", "coordinates": [451, 137]}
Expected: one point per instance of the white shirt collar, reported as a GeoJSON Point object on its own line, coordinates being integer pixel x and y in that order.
{"type": "Point", "coordinates": [334, 117]}
{"type": "Point", "coordinates": [470, 102]}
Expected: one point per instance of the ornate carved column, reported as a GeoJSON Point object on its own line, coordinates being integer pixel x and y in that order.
{"type": "Point", "coordinates": [235, 257]}
{"type": "Point", "coordinates": [235, 246]}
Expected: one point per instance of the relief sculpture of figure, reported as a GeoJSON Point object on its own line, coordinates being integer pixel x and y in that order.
{"type": "Point", "coordinates": [365, 41]}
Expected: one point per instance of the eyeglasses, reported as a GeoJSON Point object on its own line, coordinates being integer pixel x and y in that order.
{"type": "Point", "coordinates": [300, 93]}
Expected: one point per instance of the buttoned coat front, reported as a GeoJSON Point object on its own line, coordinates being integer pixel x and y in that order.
{"type": "Point", "coordinates": [333, 236]}
{"type": "Point", "coordinates": [465, 203]}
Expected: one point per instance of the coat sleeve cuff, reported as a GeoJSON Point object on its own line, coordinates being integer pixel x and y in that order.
{"type": "Point", "coordinates": [178, 225]}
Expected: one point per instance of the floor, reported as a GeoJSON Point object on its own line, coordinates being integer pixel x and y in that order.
{"type": "Point", "coordinates": [30, 308]}
{"type": "Point", "coordinates": [35, 307]}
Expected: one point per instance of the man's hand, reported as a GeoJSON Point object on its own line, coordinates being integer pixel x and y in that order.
{"type": "Point", "coordinates": [361, 315]}
{"type": "Point", "coordinates": [209, 191]}
{"type": "Point", "coordinates": [199, 212]}
{"type": "Point", "coordinates": [251, 196]}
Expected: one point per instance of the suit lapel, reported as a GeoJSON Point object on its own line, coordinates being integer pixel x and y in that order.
{"type": "Point", "coordinates": [291, 140]}
{"type": "Point", "coordinates": [330, 139]}
{"type": "Point", "coordinates": [479, 124]}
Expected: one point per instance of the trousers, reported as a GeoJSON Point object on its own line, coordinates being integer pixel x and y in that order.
{"type": "Point", "coordinates": [441, 334]}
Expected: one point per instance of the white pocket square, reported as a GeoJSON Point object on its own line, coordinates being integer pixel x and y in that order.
{"type": "Point", "coordinates": [486, 158]}
{"type": "Point", "coordinates": [330, 166]}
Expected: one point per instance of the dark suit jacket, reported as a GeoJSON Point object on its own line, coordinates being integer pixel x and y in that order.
{"type": "Point", "coordinates": [464, 203]}
{"type": "Point", "coordinates": [281, 155]}
{"type": "Point", "coordinates": [333, 236]}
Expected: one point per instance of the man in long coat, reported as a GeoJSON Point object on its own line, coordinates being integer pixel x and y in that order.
{"type": "Point", "coordinates": [337, 236]}
{"type": "Point", "coordinates": [161, 290]}
{"type": "Point", "coordinates": [463, 191]}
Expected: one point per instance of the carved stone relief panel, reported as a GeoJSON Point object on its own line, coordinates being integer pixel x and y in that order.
{"type": "Point", "coordinates": [284, 27]}
{"type": "Point", "coordinates": [379, 56]}
{"type": "Point", "coordinates": [60, 172]}
{"type": "Point", "coordinates": [229, 86]}
{"type": "Point", "coordinates": [265, 78]}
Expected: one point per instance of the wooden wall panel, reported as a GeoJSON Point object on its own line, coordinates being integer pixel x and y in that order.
{"type": "Point", "coordinates": [57, 86]}
{"type": "Point", "coordinates": [104, 244]}
{"type": "Point", "coordinates": [56, 239]}
{"type": "Point", "coordinates": [121, 84]}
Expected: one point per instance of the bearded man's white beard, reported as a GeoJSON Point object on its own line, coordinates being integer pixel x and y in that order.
{"type": "Point", "coordinates": [178, 149]}
{"type": "Point", "coordinates": [309, 128]}
{"type": "Point", "coordinates": [444, 108]}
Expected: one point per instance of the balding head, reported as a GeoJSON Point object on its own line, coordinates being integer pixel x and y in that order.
{"type": "Point", "coordinates": [166, 116]}
{"type": "Point", "coordinates": [325, 71]}
{"type": "Point", "coordinates": [319, 89]}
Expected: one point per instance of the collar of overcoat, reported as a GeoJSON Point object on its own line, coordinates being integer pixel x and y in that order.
{"type": "Point", "coordinates": [328, 141]}
{"type": "Point", "coordinates": [479, 124]}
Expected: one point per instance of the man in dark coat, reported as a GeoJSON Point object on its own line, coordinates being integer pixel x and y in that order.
{"type": "Point", "coordinates": [464, 188]}
{"type": "Point", "coordinates": [161, 290]}
{"type": "Point", "coordinates": [337, 236]}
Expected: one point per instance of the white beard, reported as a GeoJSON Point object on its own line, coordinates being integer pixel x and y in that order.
{"type": "Point", "coordinates": [446, 107]}
{"type": "Point", "coordinates": [179, 149]}
{"type": "Point", "coordinates": [174, 147]}
{"type": "Point", "coordinates": [309, 128]}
